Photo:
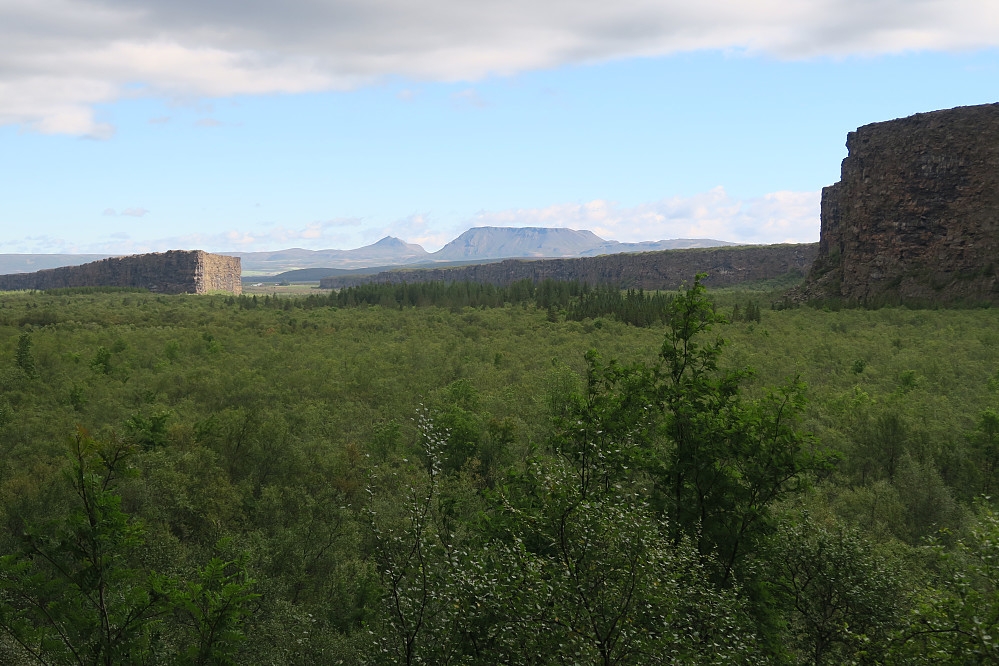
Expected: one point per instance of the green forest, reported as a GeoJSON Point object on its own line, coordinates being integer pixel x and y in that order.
{"type": "Point", "coordinates": [465, 474]}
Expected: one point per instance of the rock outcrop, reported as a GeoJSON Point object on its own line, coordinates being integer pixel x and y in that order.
{"type": "Point", "coordinates": [914, 218]}
{"type": "Point", "coordinates": [174, 272]}
{"type": "Point", "coordinates": [667, 269]}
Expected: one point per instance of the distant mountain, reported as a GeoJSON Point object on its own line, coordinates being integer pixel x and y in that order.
{"type": "Point", "coordinates": [479, 244]}
{"type": "Point", "coordinates": [29, 263]}
{"type": "Point", "coordinates": [511, 243]}
{"type": "Point", "coordinates": [316, 274]}
{"type": "Point", "coordinates": [475, 245]}
{"type": "Point", "coordinates": [614, 247]}
{"type": "Point", "coordinates": [387, 251]}
{"type": "Point", "coordinates": [506, 242]}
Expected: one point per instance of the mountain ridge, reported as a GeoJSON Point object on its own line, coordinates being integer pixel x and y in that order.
{"type": "Point", "coordinates": [475, 244]}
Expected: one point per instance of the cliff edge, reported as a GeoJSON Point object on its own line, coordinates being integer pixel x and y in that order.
{"type": "Point", "coordinates": [173, 272]}
{"type": "Point", "coordinates": [914, 218]}
{"type": "Point", "coordinates": [666, 269]}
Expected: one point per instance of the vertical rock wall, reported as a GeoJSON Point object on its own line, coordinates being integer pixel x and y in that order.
{"type": "Point", "coordinates": [174, 272]}
{"type": "Point", "coordinates": [218, 272]}
{"type": "Point", "coordinates": [915, 215]}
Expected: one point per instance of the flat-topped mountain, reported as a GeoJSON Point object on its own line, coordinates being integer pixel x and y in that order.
{"type": "Point", "coordinates": [537, 242]}
{"type": "Point", "coordinates": [503, 242]}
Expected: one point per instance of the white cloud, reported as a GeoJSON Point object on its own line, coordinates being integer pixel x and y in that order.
{"type": "Point", "coordinates": [61, 57]}
{"type": "Point", "coordinates": [419, 228]}
{"type": "Point", "coordinates": [780, 217]}
{"type": "Point", "coordinates": [468, 97]}
{"type": "Point", "coordinates": [130, 212]}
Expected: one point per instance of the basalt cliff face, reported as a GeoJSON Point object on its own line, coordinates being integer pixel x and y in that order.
{"type": "Point", "coordinates": [914, 218]}
{"type": "Point", "coordinates": [174, 272]}
{"type": "Point", "coordinates": [647, 270]}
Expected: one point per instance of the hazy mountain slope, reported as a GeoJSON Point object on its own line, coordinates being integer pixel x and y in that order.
{"type": "Point", "coordinates": [475, 245]}
{"type": "Point", "coordinates": [502, 242]}
{"type": "Point", "coordinates": [387, 251]}
{"type": "Point", "coordinates": [29, 263]}
{"type": "Point", "coordinates": [614, 247]}
{"type": "Point", "coordinates": [316, 274]}
{"type": "Point", "coordinates": [508, 243]}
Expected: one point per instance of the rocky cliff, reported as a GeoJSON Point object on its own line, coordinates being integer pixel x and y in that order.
{"type": "Point", "coordinates": [647, 270]}
{"type": "Point", "coordinates": [174, 272]}
{"type": "Point", "coordinates": [915, 216]}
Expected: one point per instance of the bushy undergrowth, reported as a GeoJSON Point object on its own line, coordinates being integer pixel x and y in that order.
{"type": "Point", "coordinates": [272, 462]}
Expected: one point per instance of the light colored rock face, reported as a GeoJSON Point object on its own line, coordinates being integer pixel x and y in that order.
{"type": "Point", "coordinates": [219, 273]}
{"type": "Point", "coordinates": [647, 270]}
{"type": "Point", "coordinates": [174, 272]}
{"type": "Point", "coordinates": [915, 216]}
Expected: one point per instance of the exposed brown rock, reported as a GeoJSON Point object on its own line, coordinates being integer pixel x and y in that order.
{"type": "Point", "coordinates": [647, 270]}
{"type": "Point", "coordinates": [915, 216]}
{"type": "Point", "coordinates": [173, 272]}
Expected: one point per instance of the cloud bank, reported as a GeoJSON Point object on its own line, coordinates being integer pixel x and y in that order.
{"type": "Point", "coordinates": [59, 58]}
{"type": "Point", "coordinates": [780, 217]}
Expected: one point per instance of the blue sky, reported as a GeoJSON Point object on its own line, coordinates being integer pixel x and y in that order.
{"type": "Point", "coordinates": [147, 126]}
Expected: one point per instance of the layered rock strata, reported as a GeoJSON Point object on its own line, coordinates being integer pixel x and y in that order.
{"type": "Point", "coordinates": [173, 272]}
{"type": "Point", "coordinates": [667, 269]}
{"type": "Point", "coordinates": [914, 218]}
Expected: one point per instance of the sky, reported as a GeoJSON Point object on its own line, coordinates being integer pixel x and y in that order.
{"type": "Point", "coordinates": [241, 125]}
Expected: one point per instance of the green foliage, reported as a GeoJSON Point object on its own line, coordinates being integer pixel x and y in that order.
{"type": "Point", "coordinates": [723, 461]}
{"type": "Point", "coordinates": [751, 313]}
{"type": "Point", "coordinates": [570, 561]}
{"type": "Point", "coordinates": [583, 568]}
{"type": "Point", "coordinates": [884, 442]}
{"type": "Point", "coordinates": [148, 431]}
{"type": "Point", "coordinates": [214, 609]}
{"type": "Point", "coordinates": [417, 558]}
{"type": "Point", "coordinates": [279, 408]}
{"type": "Point", "coordinates": [25, 361]}
{"type": "Point", "coordinates": [985, 444]}
{"type": "Point", "coordinates": [71, 594]}
{"type": "Point", "coordinates": [957, 618]}
{"type": "Point", "coordinates": [77, 398]}
{"type": "Point", "coordinates": [101, 362]}
{"type": "Point", "coordinates": [577, 300]}
{"type": "Point", "coordinates": [907, 381]}
{"type": "Point", "coordinates": [172, 351]}
{"type": "Point", "coordinates": [456, 415]}
{"type": "Point", "coordinates": [993, 382]}
{"type": "Point", "coordinates": [841, 597]}
{"type": "Point", "coordinates": [76, 592]}
{"type": "Point", "coordinates": [6, 413]}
